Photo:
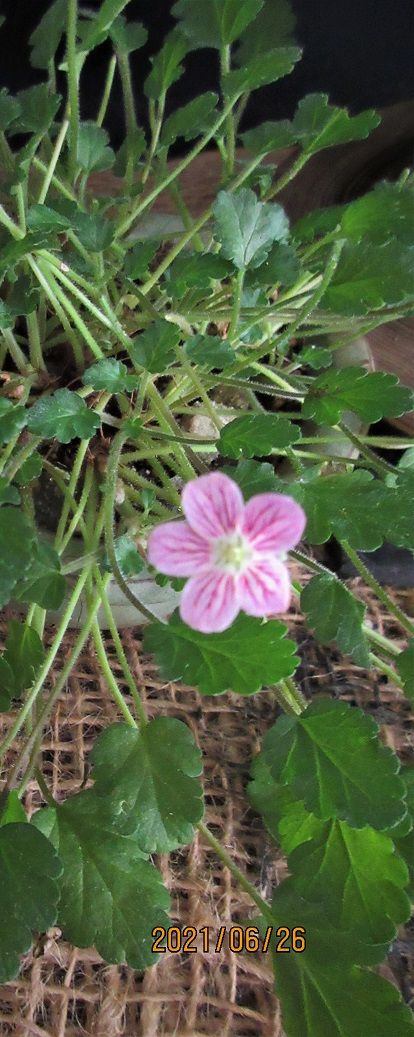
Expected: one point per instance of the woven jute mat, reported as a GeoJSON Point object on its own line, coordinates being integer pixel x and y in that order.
{"type": "Point", "coordinates": [62, 991]}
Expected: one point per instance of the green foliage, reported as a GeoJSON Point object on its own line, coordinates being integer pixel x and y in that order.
{"type": "Point", "coordinates": [405, 841]}
{"type": "Point", "coordinates": [249, 655]}
{"type": "Point", "coordinates": [43, 582]}
{"type": "Point", "coordinates": [11, 809]}
{"type": "Point", "coordinates": [166, 65]}
{"type": "Point", "coordinates": [371, 396]}
{"type": "Point", "coordinates": [331, 758]}
{"type": "Point", "coordinates": [12, 419]}
{"type": "Point", "coordinates": [43, 218]}
{"type": "Point", "coordinates": [110, 374]}
{"type": "Point", "coordinates": [94, 232]}
{"type": "Point", "coordinates": [316, 357]}
{"type": "Point", "coordinates": [47, 35]}
{"type": "Point", "coordinates": [210, 351]}
{"type": "Point", "coordinates": [93, 152]}
{"type": "Point", "coordinates": [335, 614]}
{"type": "Point", "coordinates": [111, 897]}
{"type": "Point", "coordinates": [155, 348]}
{"type": "Point", "coordinates": [369, 277]}
{"type": "Point", "coordinates": [8, 493]}
{"type": "Point", "coordinates": [38, 108]}
{"type": "Point", "coordinates": [30, 469]}
{"type": "Point", "coordinates": [405, 667]}
{"type": "Point", "coordinates": [196, 270]}
{"type": "Point", "coordinates": [191, 120]}
{"type": "Point", "coordinates": [128, 36]}
{"type": "Point", "coordinates": [315, 126]}
{"type": "Point", "coordinates": [254, 477]}
{"type": "Point", "coordinates": [275, 21]}
{"type": "Point", "coordinates": [28, 892]}
{"type": "Point", "coordinates": [9, 109]}
{"type": "Point", "coordinates": [247, 228]}
{"type": "Point", "coordinates": [149, 777]}
{"type": "Point", "coordinates": [96, 30]}
{"type": "Point", "coordinates": [261, 70]}
{"type": "Point", "coordinates": [257, 434]}
{"type": "Point", "coordinates": [281, 266]}
{"type": "Point", "coordinates": [22, 657]}
{"type": "Point", "coordinates": [20, 537]}
{"type": "Point", "coordinates": [139, 257]}
{"type": "Point", "coordinates": [129, 559]}
{"type": "Point", "coordinates": [63, 416]}
{"type": "Point", "coordinates": [215, 24]}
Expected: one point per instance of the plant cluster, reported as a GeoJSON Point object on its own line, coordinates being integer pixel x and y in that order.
{"type": "Point", "coordinates": [136, 359]}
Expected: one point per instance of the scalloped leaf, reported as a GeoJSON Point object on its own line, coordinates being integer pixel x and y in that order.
{"type": "Point", "coordinates": [150, 779]}
{"type": "Point", "coordinates": [166, 65]}
{"type": "Point", "coordinates": [369, 276]}
{"type": "Point", "coordinates": [335, 614]}
{"type": "Point", "coordinates": [210, 351]}
{"type": "Point", "coordinates": [12, 419]}
{"type": "Point", "coordinates": [191, 120]}
{"type": "Point", "coordinates": [275, 21]}
{"type": "Point", "coordinates": [331, 758]}
{"type": "Point", "coordinates": [128, 36]}
{"type": "Point", "coordinates": [257, 434]}
{"type": "Point", "coordinates": [110, 374]}
{"type": "Point", "coordinates": [42, 582]}
{"type": "Point", "coordinates": [63, 416]}
{"type": "Point", "coordinates": [254, 477]}
{"type": "Point", "coordinates": [29, 892]}
{"type": "Point", "coordinates": [45, 38]}
{"type": "Point", "coordinates": [38, 108]}
{"type": "Point", "coordinates": [372, 396]}
{"type": "Point", "coordinates": [93, 152]}
{"type": "Point", "coordinates": [22, 657]}
{"type": "Point", "coordinates": [154, 349]}
{"type": "Point", "coordinates": [261, 70]}
{"type": "Point", "coordinates": [405, 667]}
{"type": "Point", "coordinates": [318, 125]}
{"type": "Point", "coordinates": [17, 538]}
{"type": "Point", "coordinates": [249, 655]}
{"type": "Point", "coordinates": [111, 896]}
{"type": "Point", "coordinates": [215, 24]}
{"type": "Point", "coordinates": [247, 228]}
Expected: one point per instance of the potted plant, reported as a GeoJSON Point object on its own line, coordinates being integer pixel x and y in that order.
{"type": "Point", "coordinates": [160, 379]}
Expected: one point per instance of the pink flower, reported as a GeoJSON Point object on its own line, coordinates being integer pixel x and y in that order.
{"type": "Point", "coordinates": [231, 551]}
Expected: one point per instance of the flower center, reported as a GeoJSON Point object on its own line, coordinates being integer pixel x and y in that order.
{"type": "Point", "coordinates": [232, 553]}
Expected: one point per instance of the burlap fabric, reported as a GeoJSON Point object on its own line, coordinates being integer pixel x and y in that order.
{"type": "Point", "coordinates": [63, 992]}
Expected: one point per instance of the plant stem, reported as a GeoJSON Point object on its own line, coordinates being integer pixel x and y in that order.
{"type": "Point", "coordinates": [73, 94]}
{"type": "Point", "coordinates": [376, 462]}
{"type": "Point", "coordinates": [60, 139]}
{"type": "Point", "coordinates": [107, 90]}
{"type": "Point", "coordinates": [239, 875]}
{"type": "Point", "coordinates": [109, 677]}
{"type": "Point", "coordinates": [130, 115]}
{"type": "Point", "coordinates": [49, 286]}
{"type": "Point", "coordinates": [387, 670]}
{"type": "Point", "coordinates": [363, 571]}
{"type": "Point", "coordinates": [139, 706]}
{"type": "Point", "coordinates": [35, 346]}
{"type": "Point", "coordinates": [225, 55]}
{"type": "Point", "coordinates": [238, 289]}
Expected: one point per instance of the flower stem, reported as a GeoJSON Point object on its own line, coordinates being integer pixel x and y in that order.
{"type": "Point", "coordinates": [239, 875]}
{"type": "Point", "coordinates": [53, 161]}
{"type": "Point", "coordinates": [73, 93]}
{"type": "Point", "coordinates": [139, 706]}
{"type": "Point", "coordinates": [109, 677]}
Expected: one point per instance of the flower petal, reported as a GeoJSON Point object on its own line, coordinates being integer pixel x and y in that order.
{"type": "Point", "coordinates": [264, 588]}
{"type": "Point", "coordinates": [212, 505]}
{"type": "Point", "coordinates": [176, 550]}
{"type": "Point", "coordinates": [209, 602]}
{"type": "Point", "coordinates": [273, 522]}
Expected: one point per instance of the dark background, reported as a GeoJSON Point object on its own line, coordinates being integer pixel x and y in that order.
{"type": "Point", "coordinates": [360, 52]}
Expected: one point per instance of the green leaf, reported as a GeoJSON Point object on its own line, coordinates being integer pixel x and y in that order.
{"type": "Point", "coordinates": [154, 349]}
{"type": "Point", "coordinates": [287, 820]}
{"type": "Point", "coordinates": [139, 257]}
{"type": "Point", "coordinates": [9, 109]}
{"type": "Point", "coordinates": [405, 843]}
{"type": "Point", "coordinates": [215, 24]}
{"type": "Point", "coordinates": [92, 148]}
{"type": "Point", "coordinates": [282, 266]}
{"type": "Point", "coordinates": [128, 36]}
{"type": "Point", "coordinates": [369, 276]}
{"type": "Point", "coordinates": [399, 517]}
{"type": "Point", "coordinates": [318, 125]}
{"type": "Point", "coordinates": [45, 38]}
{"type": "Point", "coordinates": [247, 228]}
{"type": "Point", "coordinates": [194, 271]}
{"type": "Point", "coordinates": [38, 108]}
{"type": "Point", "coordinates": [94, 232]}
{"type": "Point", "coordinates": [316, 357]}
{"type": "Point", "coordinates": [96, 31]}
{"type": "Point", "coordinates": [16, 545]}
{"type": "Point", "coordinates": [149, 777]}
{"type": "Point", "coordinates": [63, 416]}
{"type": "Point", "coordinates": [335, 614]}
{"type": "Point", "coordinates": [28, 892]}
{"type": "Point", "coordinates": [43, 218]}
{"type": "Point", "coordinates": [8, 494]}
{"type": "Point", "coordinates": [42, 582]}
{"type": "Point", "coordinates": [20, 662]}
{"type": "Point", "coordinates": [129, 559]}
{"type": "Point", "coordinates": [261, 70]}
{"type": "Point", "coordinates": [384, 213]}
{"type": "Point", "coordinates": [138, 145]}
{"type": "Point", "coordinates": [166, 65]}
{"type": "Point", "coordinates": [331, 758]}
{"type": "Point", "coordinates": [24, 296]}
{"type": "Point", "coordinates": [269, 136]}
{"type": "Point", "coordinates": [321, 998]}
{"type": "Point", "coordinates": [358, 880]}
{"type": "Point", "coordinates": [110, 374]}
{"type": "Point", "coordinates": [191, 120]}
{"type": "Point", "coordinates": [111, 897]}
{"type": "Point", "coordinates": [210, 351]}
{"type": "Point", "coordinates": [257, 434]}
{"type": "Point", "coordinates": [30, 469]}
{"type": "Point", "coordinates": [253, 477]}
{"type": "Point", "coordinates": [355, 507]}
{"type": "Point", "coordinates": [244, 658]}
{"type": "Point", "coordinates": [11, 809]}
{"type": "Point", "coordinates": [12, 419]}
{"type": "Point", "coordinates": [275, 21]}
{"type": "Point", "coordinates": [405, 667]}
{"type": "Point", "coordinates": [371, 396]}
